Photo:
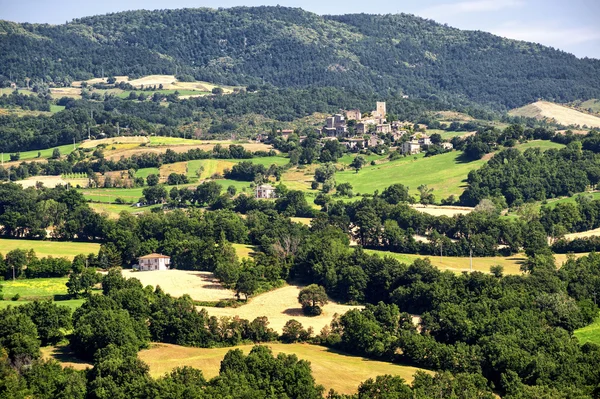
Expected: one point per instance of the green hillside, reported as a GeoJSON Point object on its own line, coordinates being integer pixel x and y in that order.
{"type": "Point", "coordinates": [289, 47]}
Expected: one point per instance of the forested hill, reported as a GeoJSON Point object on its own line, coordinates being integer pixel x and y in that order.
{"type": "Point", "coordinates": [393, 54]}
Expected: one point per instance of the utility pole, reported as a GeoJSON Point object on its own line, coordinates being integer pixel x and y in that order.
{"type": "Point", "coordinates": [13, 267]}
{"type": "Point", "coordinates": [441, 249]}
{"type": "Point", "coordinates": [471, 258]}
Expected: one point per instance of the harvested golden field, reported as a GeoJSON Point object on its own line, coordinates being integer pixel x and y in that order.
{"type": "Point", "coordinates": [330, 368]}
{"type": "Point", "coordinates": [180, 168]}
{"type": "Point", "coordinates": [209, 167]}
{"type": "Point", "coordinates": [99, 80]}
{"type": "Point", "coordinates": [51, 181]}
{"type": "Point", "coordinates": [115, 140]}
{"type": "Point", "coordinates": [583, 234]}
{"type": "Point", "coordinates": [443, 210]}
{"type": "Point", "coordinates": [200, 286]}
{"type": "Point", "coordinates": [545, 110]}
{"type": "Point", "coordinates": [151, 80]}
{"type": "Point", "coordinates": [64, 356]}
{"type": "Point", "coordinates": [115, 155]}
{"type": "Point", "coordinates": [280, 306]}
{"type": "Point", "coordinates": [59, 92]}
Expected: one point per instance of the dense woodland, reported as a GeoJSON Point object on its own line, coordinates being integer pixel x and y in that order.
{"type": "Point", "coordinates": [492, 332]}
{"type": "Point", "coordinates": [289, 47]}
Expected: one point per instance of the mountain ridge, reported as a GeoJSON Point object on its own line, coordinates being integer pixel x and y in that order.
{"type": "Point", "coordinates": [397, 54]}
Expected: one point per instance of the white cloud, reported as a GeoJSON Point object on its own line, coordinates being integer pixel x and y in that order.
{"type": "Point", "coordinates": [443, 11]}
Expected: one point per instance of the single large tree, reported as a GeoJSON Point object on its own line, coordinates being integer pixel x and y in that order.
{"type": "Point", "coordinates": [312, 298]}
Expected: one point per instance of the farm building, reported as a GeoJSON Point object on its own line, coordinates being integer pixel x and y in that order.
{"type": "Point", "coordinates": [265, 191]}
{"type": "Point", "coordinates": [154, 262]}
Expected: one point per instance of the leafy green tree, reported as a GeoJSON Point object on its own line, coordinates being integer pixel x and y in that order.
{"type": "Point", "coordinates": [99, 328]}
{"type": "Point", "coordinates": [152, 179]}
{"type": "Point", "coordinates": [293, 331]}
{"type": "Point", "coordinates": [246, 285]}
{"type": "Point", "coordinates": [385, 387]}
{"type": "Point", "coordinates": [207, 193]}
{"type": "Point", "coordinates": [49, 380]}
{"type": "Point", "coordinates": [312, 298]}
{"type": "Point", "coordinates": [15, 261]}
{"type": "Point", "coordinates": [56, 153]}
{"type": "Point", "coordinates": [83, 282]}
{"type": "Point", "coordinates": [358, 162]}
{"type": "Point", "coordinates": [18, 335]}
{"type": "Point", "coordinates": [51, 320]}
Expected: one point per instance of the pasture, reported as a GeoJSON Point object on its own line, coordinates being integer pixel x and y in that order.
{"type": "Point", "coordinates": [541, 144]}
{"type": "Point", "coordinates": [57, 249]}
{"type": "Point", "coordinates": [281, 305]}
{"type": "Point", "coordinates": [113, 210]}
{"type": "Point", "coordinates": [36, 288]}
{"type": "Point", "coordinates": [330, 368]}
{"type": "Point", "coordinates": [144, 172]}
{"type": "Point", "coordinates": [115, 140]}
{"type": "Point", "coordinates": [43, 154]}
{"type": "Point", "coordinates": [243, 250]}
{"type": "Point", "coordinates": [457, 264]}
{"type": "Point", "coordinates": [589, 333]}
{"type": "Point", "coordinates": [200, 286]}
{"type": "Point", "coordinates": [445, 173]}
{"type": "Point", "coordinates": [72, 304]}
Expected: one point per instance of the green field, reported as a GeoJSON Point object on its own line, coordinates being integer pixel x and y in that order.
{"type": "Point", "coordinates": [56, 249]}
{"type": "Point", "coordinates": [111, 194]}
{"type": "Point", "coordinates": [445, 173]}
{"type": "Point", "coordinates": [542, 144]}
{"type": "Point", "coordinates": [348, 158]}
{"type": "Point", "coordinates": [589, 333]}
{"type": "Point", "coordinates": [511, 264]}
{"type": "Point", "coordinates": [593, 105]}
{"type": "Point", "coordinates": [144, 172]}
{"type": "Point", "coordinates": [73, 304]}
{"type": "Point", "coordinates": [36, 288]}
{"type": "Point", "coordinates": [113, 210]}
{"type": "Point", "coordinates": [46, 153]}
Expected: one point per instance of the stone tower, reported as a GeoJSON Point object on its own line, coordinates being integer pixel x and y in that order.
{"type": "Point", "coordinates": [381, 109]}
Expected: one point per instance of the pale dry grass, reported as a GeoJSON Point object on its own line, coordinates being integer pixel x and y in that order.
{"type": "Point", "coordinates": [179, 148]}
{"type": "Point", "coordinates": [58, 92]}
{"type": "Point", "coordinates": [152, 80]}
{"type": "Point", "coordinates": [280, 306]}
{"type": "Point", "coordinates": [180, 168]}
{"type": "Point", "coordinates": [51, 181]}
{"type": "Point", "coordinates": [583, 234]}
{"type": "Point", "coordinates": [561, 114]}
{"type": "Point", "coordinates": [99, 80]}
{"type": "Point", "coordinates": [443, 210]}
{"type": "Point", "coordinates": [200, 286]}
{"type": "Point", "coordinates": [332, 369]}
{"type": "Point", "coordinates": [115, 140]}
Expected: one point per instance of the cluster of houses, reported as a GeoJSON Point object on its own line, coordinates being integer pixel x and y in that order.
{"type": "Point", "coordinates": [352, 128]}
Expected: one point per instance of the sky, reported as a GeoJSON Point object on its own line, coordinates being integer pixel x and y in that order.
{"type": "Point", "coordinates": [569, 25]}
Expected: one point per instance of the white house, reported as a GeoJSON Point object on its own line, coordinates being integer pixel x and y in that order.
{"type": "Point", "coordinates": [154, 262]}
{"type": "Point", "coordinates": [265, 191]}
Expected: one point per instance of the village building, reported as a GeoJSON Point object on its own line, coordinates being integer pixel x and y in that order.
{"type": "Point", "coordinates": [362, 128]}
{"type": "Point", "coordinates": [383, 128]}
{"type": "Point", "coordinates": [354, 143]}
{"type": "Point", "coordinates": [154, 262]}
{"type": "Point", "coordinates": [265, 191]}
{"type": "Point", "coordinates": [374, 141]}
{"type": "Point", "coordinates": [411, 147]}
{"type": "Point", "coordinates": [447, 146]}
{"type": "Point", "coordinates": [421, 138]}
{"type": "Point", "coordinates": [353, 114]}
{"type": "Point", "coordinates": [396, 136]}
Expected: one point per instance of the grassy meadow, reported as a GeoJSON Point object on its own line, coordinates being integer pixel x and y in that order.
{"type": "Point", "coordinates": [511, 264]}
{"type": "Point", "coordinates": [541, 144]}
{"type": "Point", "coordinates": [57, 249]}
{"type": "Point", "coordinates": [332, 369]}
{"type": "Point", "coordinates": [44, 154]}
{"type": "Point", "coordinates": [589, 333]}
{"type": "Point", "coordinates": [445, 173]}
